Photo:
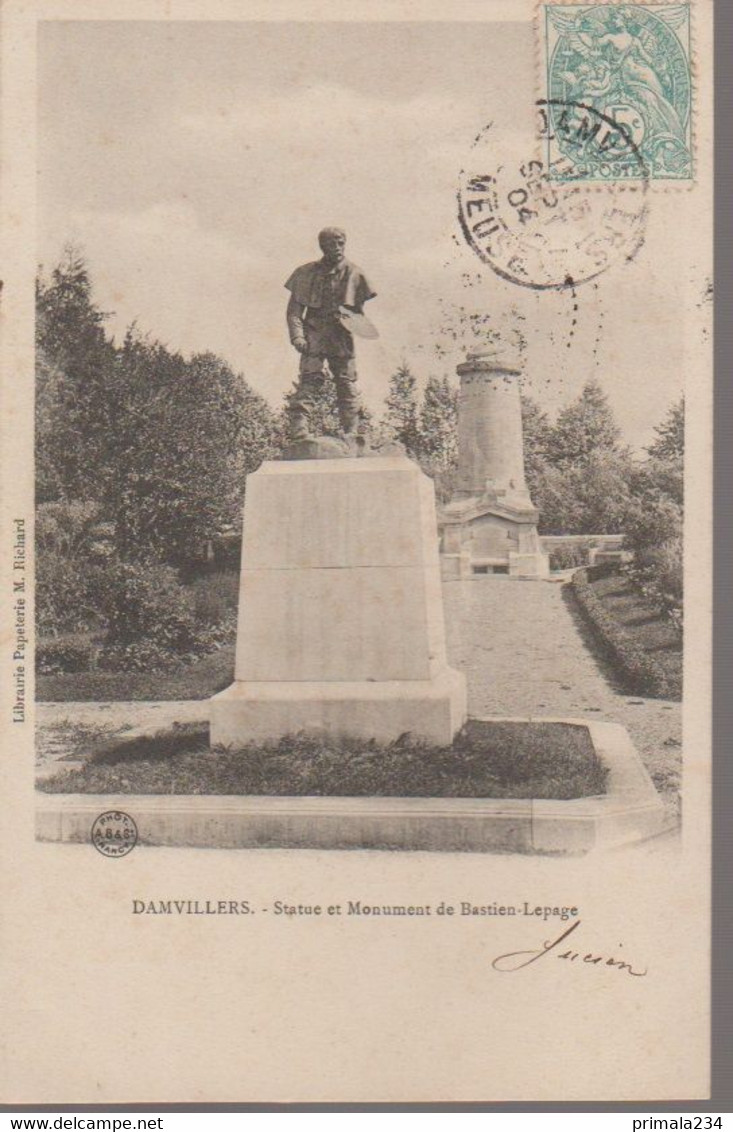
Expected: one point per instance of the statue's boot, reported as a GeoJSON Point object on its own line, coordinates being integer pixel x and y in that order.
{"type": "Point", "coordinates": [349, 420]}
{"type": "Point", "coordinates": [299, 425]}
{"type": "Point", "coordinates": [356, 436]}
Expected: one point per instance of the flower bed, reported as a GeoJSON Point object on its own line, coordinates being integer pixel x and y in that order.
{"type": "Point", "coordinates": [628, 643]}
{"type": "Point", "coordinates": [487, 760]}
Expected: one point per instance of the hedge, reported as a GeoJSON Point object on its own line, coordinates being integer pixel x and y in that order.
{"type": "Point", "coordinates": [639, 671]}
{"type": "Point", "coordinates": [73, 652]}
{"type": "Point", "coordinates": [567, 556]}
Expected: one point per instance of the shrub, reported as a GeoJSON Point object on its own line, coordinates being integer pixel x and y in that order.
{"type": "Point", "coordinates": [151, 618]}
{"type": "Point", "coordinates": [652, 521]}
{"type": "Point", "coordinates": [564, 557]}
{"type": "Point", "coordinates": [61, 595]}
{"type": "Point", "coordinates": [640, 671]}
{"type": "Point", "coordinates": [215, 597]}
{"type": "Point", "coordinates": [64, 533]}
{"type": "Point", "coordinates": [588, 498]}
{"type": "Point", "coordinates": [600, 570]}
{"type": "Point", "coordinates": [658, 575]}
{"type": "Point", "coordinates": [668, 564]}
{"type": "Point", "coordinates": [70, 653]}
{"type": "Point", "coordinates": [654, 534]}
{"type": "Point", "coordinates": [139, 656]}
{"type": "Point", "coordinates": [145, 600]}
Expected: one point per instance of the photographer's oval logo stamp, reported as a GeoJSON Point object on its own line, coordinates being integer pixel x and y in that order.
{"type": "Point", "coordinates": [114, 833]}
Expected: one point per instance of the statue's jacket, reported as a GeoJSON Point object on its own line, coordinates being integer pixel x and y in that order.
{"type": "Point", "coordinates": [313, 285]}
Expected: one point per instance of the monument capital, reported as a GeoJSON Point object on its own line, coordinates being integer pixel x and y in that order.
{"type": "Point", "coordinates": [488, 361]}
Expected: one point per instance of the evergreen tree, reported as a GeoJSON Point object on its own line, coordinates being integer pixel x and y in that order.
{"type": "Point", "coordinates": [400, 421]}
{"type": "Point", "coordinates": [74, 363]}
{"type": "Point", "coordinates": [187, 434]}
{"type": "Point", "coordinates": [162, 443]}
{"type": "Point", "coordinates": [584, 428]}
{"type": "Point", "coordinates": [537, 433]}
{"type": "Point", "coordinates": [48, 449]}
{"type": "Point", "coordinates": [669, 443]}
{"type": "Point", "coordinates": [439, 426]}
{"type": "Point", "coordinates": [592, 498]}
{"type": "Point", "coordinates": [580, 477]}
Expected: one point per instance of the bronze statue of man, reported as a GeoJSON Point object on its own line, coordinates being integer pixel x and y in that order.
{"type": "Point", "coordinates": [323, 295]}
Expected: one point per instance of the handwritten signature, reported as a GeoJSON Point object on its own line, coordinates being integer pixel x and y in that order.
{"type": "Point", "coordinates": [515, 960]}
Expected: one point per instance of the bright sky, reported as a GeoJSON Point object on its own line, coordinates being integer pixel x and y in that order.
{"type": "Point", "coordinates": [196, 162]}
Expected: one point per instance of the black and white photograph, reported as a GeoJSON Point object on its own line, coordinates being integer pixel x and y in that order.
{"type": "Point", "coordinates": [358, 543]}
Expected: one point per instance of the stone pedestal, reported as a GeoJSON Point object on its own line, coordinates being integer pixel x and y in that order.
{"type": "Point", "coordinates": [340, 608]}
{"type": "Point", "coordinates": [490, 524]}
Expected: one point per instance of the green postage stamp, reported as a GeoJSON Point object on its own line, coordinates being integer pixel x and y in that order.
{"type": "Point", "coordinates": [618, 91]}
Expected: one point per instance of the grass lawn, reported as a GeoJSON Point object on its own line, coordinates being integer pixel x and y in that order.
{"type": "Point", "coordinates": [194, 682]}
{"type": "Point", "coordinates": [487, 760]}
{"type": "Point", "coordinates": [647, 628]}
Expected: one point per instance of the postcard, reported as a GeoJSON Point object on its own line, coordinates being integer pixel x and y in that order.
{"type": "Point", "coordinates": [356, 571]}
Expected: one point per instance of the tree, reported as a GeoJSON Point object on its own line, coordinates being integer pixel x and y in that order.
{"type": "Point", "coordinates": [669, 443]}
{"type": "Point", "coordinates": [65, 560]}
{"type": "Point", "coordinates": [439, 426]}
{"type": "Point", "coordinates": [187, 433]}
{"type": "Point", "coordinates": [161, 442]}
{"type": "Point", "coordinates": [657, 478]}
{"type": "Point", "coordinates": [400, 421]}
{"type": "Point", "coordinates": [584, 428]}
{"type": "Point", "coordinates": [74, 363]}
{"type": "Point", "coordinates": [653, 530]}
{"type": "Point", "coordinates": [48, 446]}
{"type": "Point", "coordinates": [537, 433]}
{"type": "Point", "coordinates": [590, 499]}
{"type": "Point", "coordinates": [654, 525]}
{"type": "Point", "coordinates": [70, 326]}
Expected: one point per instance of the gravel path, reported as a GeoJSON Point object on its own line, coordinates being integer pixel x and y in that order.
{"type": "Point", "coordinates": [523, 647]}
{"type": "Point", "coordinates": [526, 651]}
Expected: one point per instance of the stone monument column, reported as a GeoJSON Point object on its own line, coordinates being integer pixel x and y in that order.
{"type": "Point", "coordinates": [490, 441]}
{"type": "Point", "coordinates": [490, 524]}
